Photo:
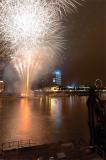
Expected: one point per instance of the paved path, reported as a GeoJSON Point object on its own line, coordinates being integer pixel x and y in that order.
{"type": "Point", "coordinates": [60, 151]}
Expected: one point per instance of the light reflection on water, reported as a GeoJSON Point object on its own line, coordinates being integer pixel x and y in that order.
{"type": "Point", "coordinates": [55, 110]}
{"type": "Point", "coordinates": [24, 121]}
{"type": "Point", "coordinates": [43, 119]}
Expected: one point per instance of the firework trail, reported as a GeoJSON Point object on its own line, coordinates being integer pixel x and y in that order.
{"type": "Point", "coordinates": [30, 26]}
{"type": "Point", "coordinates": [64, 6]}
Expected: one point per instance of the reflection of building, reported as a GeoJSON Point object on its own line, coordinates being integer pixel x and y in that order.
{"type": "Point", "coordinates": [57, 77]}
{"type": "Point", "coordinates": [2, 86]}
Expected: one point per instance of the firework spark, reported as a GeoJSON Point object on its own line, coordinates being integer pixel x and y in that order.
{"type": "Point", "coordinates": [33, 23]}
{"type": "Point", "coordinates": [64, 6]}
{"type": "Point", "coordinates": [27, 26]}
{"type": "Point", "coordinates": [29, 67]}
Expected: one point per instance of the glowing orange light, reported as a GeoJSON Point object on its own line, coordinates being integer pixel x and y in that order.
{"type": "Point", "coordinates": [25, 115]}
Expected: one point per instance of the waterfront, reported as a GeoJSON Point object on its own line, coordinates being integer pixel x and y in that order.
{"type": "Point", "coordinates": [44, 119]}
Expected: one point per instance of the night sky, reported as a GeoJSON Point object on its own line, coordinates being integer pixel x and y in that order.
{"type": "Point", "coordinates": [85, 57]}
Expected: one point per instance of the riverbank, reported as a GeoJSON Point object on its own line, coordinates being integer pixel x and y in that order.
{"type": "Point", "coordinates": [56, 151]}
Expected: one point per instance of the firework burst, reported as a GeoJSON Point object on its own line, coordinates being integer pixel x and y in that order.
{"type": "Point", "coordinates": [33, 23]}
{"type": "Point", "coordinates": [30, 26]}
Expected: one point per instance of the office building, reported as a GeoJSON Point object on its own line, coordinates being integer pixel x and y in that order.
{"type": "Point", "coordinates": [57, 77]}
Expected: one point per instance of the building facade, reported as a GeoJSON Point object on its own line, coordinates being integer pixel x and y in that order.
{"type": "Point", "coordinates": [57, 77]}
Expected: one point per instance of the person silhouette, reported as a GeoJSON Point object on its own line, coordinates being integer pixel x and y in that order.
{"type": "Point", "coordinates": [95, 114]}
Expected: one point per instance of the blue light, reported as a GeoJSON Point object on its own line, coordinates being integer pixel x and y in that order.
{"type": "Point", "coordinates": [57, 76]}
{"type": "Point", "coordinates": [57, 72]}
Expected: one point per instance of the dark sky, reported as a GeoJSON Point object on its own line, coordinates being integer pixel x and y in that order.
{"type": "Point", "coordinates": [85, 57]}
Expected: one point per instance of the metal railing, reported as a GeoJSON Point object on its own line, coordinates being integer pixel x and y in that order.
{"type": "Point", "coordinates": [9, 145]}
{"type": "Point", "coordinates": [17, 144]}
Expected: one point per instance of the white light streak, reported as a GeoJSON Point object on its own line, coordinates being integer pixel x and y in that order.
{"type": "Point", "coordinates": [29, 24]}
{"type": "Point", "coordinates": [33, 23]}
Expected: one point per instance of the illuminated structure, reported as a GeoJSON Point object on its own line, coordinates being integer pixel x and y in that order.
{"type": "Point", "coordinates": [57, 77]}
{"type": "Point", "coordinates": [98, 83]}
{"type": "Point", "coordinates": [2, 86]}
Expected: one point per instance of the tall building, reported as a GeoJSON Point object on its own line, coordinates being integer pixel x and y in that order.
{"type": "Point", "coordinates": [57, 77]}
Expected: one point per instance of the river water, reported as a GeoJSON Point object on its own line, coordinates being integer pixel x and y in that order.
{"type": "Point", "coordinates": [44, 119]}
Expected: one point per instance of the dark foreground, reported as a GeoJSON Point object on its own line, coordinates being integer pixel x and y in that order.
{"type": "Point", "coordinates": [60, 151]}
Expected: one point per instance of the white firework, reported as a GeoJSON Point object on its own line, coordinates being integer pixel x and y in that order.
{"type": "Point", "coordinates": [29, 24]}
{"type": "Point", "coordinates": [32, 24]}
{"type": "Point", "coordinates": [64, 6]}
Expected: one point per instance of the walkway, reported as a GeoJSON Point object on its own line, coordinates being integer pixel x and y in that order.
{"type": "Point", "coordinates": [59, 151]}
